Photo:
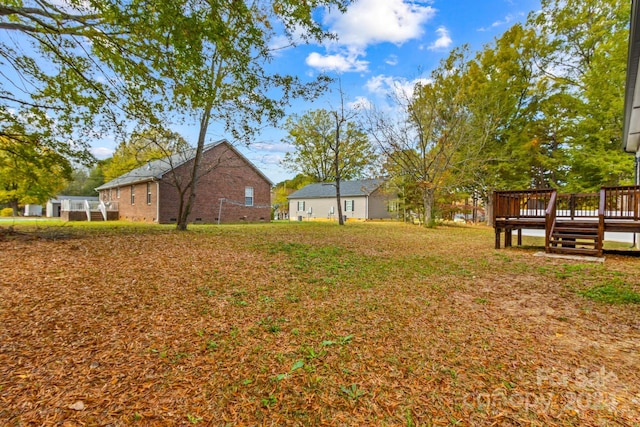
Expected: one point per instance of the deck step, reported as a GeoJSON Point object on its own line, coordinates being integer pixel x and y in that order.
{"type": "Point", "coordinates": [96, 216]}
{"type": "Point", "coordinates": [573, 251]}
{"type": "Point", "coordinates": [575, 238]}
{"type": "Point", "coordinates": [583, 236]}
{"type": "Point", "coordinates": [575, 230]}
{"type": "Point", "coordinates": [572, 242]}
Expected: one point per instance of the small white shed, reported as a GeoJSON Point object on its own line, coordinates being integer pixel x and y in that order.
{"type": "Point", "coordinates": [32, 210]}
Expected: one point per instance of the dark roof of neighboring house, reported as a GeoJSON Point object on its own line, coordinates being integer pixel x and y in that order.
{"type": "Point", "coordinates": [362, 187]}
{"type": "Point", "coordinates": [156, 169]}
{"type": "Point", "coordinates": [631, 136]}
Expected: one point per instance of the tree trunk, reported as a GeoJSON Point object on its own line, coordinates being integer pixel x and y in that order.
{"type": "Point", "coordinates": [339, 202]}
{"type": "Point", "coordinates": [489, 209]}
{"type": "Point", "coordinates": [13, 204]}
{"type": "Point", "coordinates": [427, 201]}
{"type": "Point", "coordinates": [193, 178]}
{"type": "Point", "coordinates": [336, 165]}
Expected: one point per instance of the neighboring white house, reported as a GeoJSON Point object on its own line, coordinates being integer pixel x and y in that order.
{"type": "Point", "coordinates": [362, 200]}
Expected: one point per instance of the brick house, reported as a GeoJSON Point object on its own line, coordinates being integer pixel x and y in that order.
{"type": "Point", "coordinates": [230, 188]}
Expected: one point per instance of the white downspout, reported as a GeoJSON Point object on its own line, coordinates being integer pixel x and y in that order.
{"type": "Point", "coordinates": [366, 207]}
{"type": "Point", "coordinates": [158, 202]}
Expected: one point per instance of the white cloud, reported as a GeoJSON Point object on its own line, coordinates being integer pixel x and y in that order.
{"type": "Point", "coordinates": [338, 62]}
{"type": "Point", "coordinates": [383, 86]}
{"type": "Point", "coordinates": [280, 43]}
{"type": "Point", "coordinates": [368, 22]}
{"type": "Point", "coordinates": [271, 147]}
{"type": "Point", "coordinates": [443, 41]}
{"type": "Point", "coordinates": [271, 159]}
{"type": "Point", "coordinates": [102, 152]}
{"type": "Point", "coordinates": [360, 103]}
{"type": "Point", "coordinates": [376, 21]}
{"type": "Point", "coordinates": [391, 60]}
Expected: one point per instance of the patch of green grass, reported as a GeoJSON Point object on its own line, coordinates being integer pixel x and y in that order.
{"type": "Point", "coordinates": [319, 260]}
{"type": "Point", "coordinates": [206, 291]}
{"type": "Point", "coordinates": [194, 419]}
{"type": "Point", "coordinates": [269, 401]}
{"type": "Point", "coordinates": [352, 391]}
{"type": "Point", "coordinates": [272, 325]}
{"type": "Point", "coordinates": [613, 292]}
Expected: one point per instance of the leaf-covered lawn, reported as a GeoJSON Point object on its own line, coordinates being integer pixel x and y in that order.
{"type": "Point", "coordinates": [311, 324]}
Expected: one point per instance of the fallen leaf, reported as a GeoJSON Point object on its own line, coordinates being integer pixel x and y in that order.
{"type": "Point", "coordinates": [78, 406]}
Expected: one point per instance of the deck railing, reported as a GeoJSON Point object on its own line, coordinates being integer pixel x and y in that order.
{"type": "Point", "coordinates": [612, 209]}
{"type": "Point", "coordinates": [88, 206]}
{"type": "Point", "coordinates": [521, 204]}
{"type": "Point", "coordinates": [578, 205]}
{"type": "Point", "coordinates": [621, 202]}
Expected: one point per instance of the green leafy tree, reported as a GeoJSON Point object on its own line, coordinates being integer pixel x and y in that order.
{"type": "Point", "coordinates": [553, 91]}
{"type": "Point", "coordinates": [583, 48]}
{"type": "Point", "coordinates": [502, 101]}
{"type": "Point", "coordinates": [434, 145]}
{"type": "Point", "coordinates": [313, 136]}
{"type": "Point", "coordinates": [30, 173]}
{"type": "Point", "coordinates": [55, 87]}
{"type": "Point", "coordinates": [83, 182]}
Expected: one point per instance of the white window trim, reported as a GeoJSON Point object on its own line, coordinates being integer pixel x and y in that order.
{"type": "Point", "coordinates": [353, 205]}
{"type": "Point", "coordinates": [248, 196]}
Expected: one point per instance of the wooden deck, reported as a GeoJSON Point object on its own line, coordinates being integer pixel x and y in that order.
{"type": "Point", "coordinates": [573, 223]}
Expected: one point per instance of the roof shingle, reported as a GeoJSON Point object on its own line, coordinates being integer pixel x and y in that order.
{"type": "Point", "coordinates": [362, 187]}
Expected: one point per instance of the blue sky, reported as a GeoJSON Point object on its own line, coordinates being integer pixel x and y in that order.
{"type": "Point", "coordinates": [381, 44]}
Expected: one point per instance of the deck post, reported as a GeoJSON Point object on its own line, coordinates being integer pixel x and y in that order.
{"type": "Point", "coordinates": [519, 236]}
{"type": "Point", "coordinates": [508, 234]}
{"type": "Point", "coordinates": [602, 207]}
{"type": "Point", "coordinates": [498, 231]}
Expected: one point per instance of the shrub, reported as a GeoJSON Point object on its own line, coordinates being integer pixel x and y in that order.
{"type": "Point", "coordinates": [6, 212]}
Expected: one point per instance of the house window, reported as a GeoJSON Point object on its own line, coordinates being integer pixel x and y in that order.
{"type": "Point", "coordinates": [300, 205]}
{"type": "Point", "coordinates": [117, 192]}
{"type": "Point", "coordinates": [148, 193]}
{"type": "Point", "coordinates": [392, 206]}
{"type": "Point", "coordinates": [133, 194]}
{"type": "Point", "coordinates": [248, 196]}
{"type": "Point", "coordinates": [348, 205]}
